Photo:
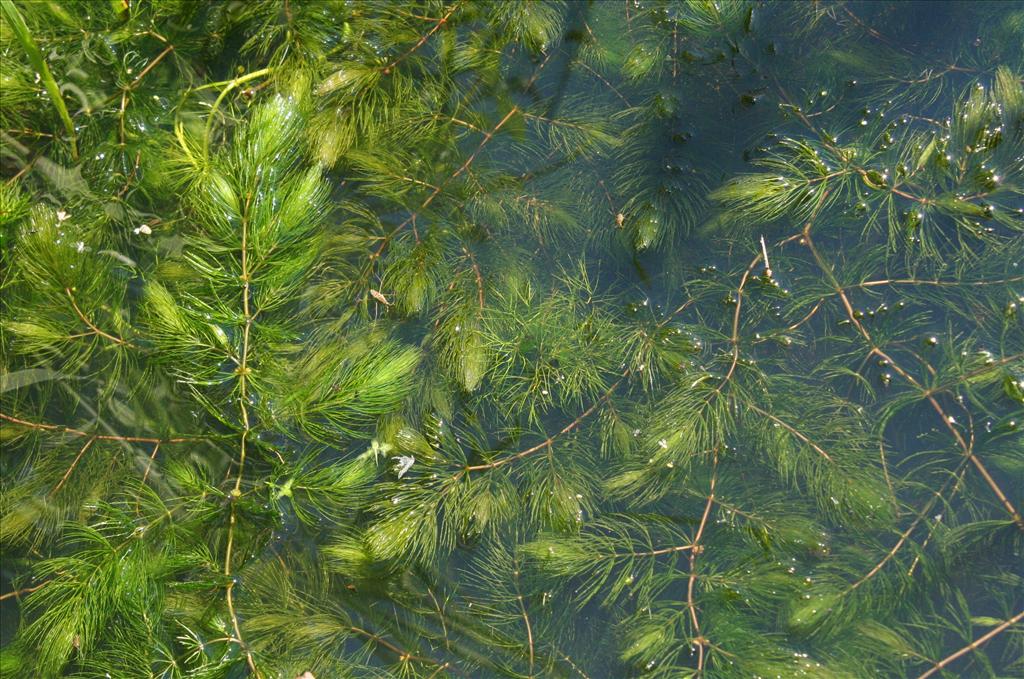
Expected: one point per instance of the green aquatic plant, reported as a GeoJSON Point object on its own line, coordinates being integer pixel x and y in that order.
{"type": "Point", "coordinates": [511, 339]}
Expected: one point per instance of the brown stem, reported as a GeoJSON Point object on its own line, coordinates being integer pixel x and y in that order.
{"type": "Point", "coordinates": [956, 488]}
{"type": "Point", "coordinates": [441, 187]}
{"type": "Point", "coordinates": [149, 465]}
{"type": "Point", "coordinates": [574, 666]}
{"type": "Point", "coordinates": [20, 592]}
{"type": "Point", "coordinates": [914, 281]}
{"type": "Point", "coordinates": [658, 552]}
{"type": "Point", "coordinates": [809, 316]}
{"type": "Point", "coordinates": [423, 39]}
{"type": "Point", "coordinates": [696, 549]}
{"type": "Point", "coordinates": [871, 31]}
{"type": "Point", "coordinates": [85, 319]}
{"type": "Point", "coordinates": [67, 474]}
{"type": "Point", "coordinates": [440, 618]}
{"type": "Point", "coordinates": [992, 633]}
{"type": "Point", "coordinates": [549, 440]}
{"type": "Point", "coordinates": [526, 620]}
{"type": "Point", "coordinates": [403, 655]}
{"type": "Point", "coordinates": [134, 172]}
{"type": "Point", "coordinates": [97, 437]}
{"type": "Point", "coordinates": [907, 533]}
{"type": "Point", "coordinates": [149, 67]}
{"type": "Point", "coordinates": [477, 274]}
{"type": "Point", "coordinates": [821, 451]}
{"type": "Point", "coordinates": [735, 338]}
{"type": "Point", "coordinates": [440, 668]}
{"type": "Point", "coordinates": [928, 394]}
{"type": "Point", "coordinates": [885, 472]}
{"type": "Point", "coordinates": [602, 78]}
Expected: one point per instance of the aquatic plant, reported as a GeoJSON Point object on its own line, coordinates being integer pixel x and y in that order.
{"type": "Point", "coordinates": [525, 339]}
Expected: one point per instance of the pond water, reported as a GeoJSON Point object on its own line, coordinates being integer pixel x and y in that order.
{"type": "Point", "coordinates": [511, 339]}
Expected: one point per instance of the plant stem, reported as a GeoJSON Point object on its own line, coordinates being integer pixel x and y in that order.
{"type": "Point", "coordinates": [974, 644]}
{"type": "Point", "coordinates": [99, 437]}
{"type": "Point", "coordinates": [232, 84]}
{"type": "Point", "coordinates": [243, 383]}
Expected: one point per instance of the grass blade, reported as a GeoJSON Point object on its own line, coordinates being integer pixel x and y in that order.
{"type": "Point", "coordinates": [17, 24]}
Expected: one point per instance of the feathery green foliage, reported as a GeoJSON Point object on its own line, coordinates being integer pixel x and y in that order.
{"type": "Point", "coordinates": [511, 338]}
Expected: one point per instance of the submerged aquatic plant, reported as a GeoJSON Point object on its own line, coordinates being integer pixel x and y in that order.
{"type": "Point", "coordinates": [526, 339]}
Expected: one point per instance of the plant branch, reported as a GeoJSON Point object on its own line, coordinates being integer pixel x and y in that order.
{"type": "Point", "coordinates": [697, 548]}
{"type": "Point", "coordinates": [526, 620]}
{"type": "Point", "coordinates": [423, 39]}
{"type": "Point", "coordinates": [67, 474]}
{"type": "Point", "coordinates": [549, 440]}
{"type": "Point", "coordinates": [928, 394]}
{"type": "Point", "coordinates": [21, 592]}
{"type": "Point", "coordinates": [479, 277]}
{"type": "Point", "coordinates": [85, 319]}
{"type": "Point", "coordinates": [991, 634]}
{"type": "Point", "coordinates": [231, 85]}
{"type": "Point", "coordinates": [821, 451]}
{"type": "Point", "coordinates": [99, 437]}
{"type": "Point", "coordinates": [404, 656]}
{"type": "Point", "coordinates": [441, 187]}
{"type": "Point", "coordinates": [236, 492]}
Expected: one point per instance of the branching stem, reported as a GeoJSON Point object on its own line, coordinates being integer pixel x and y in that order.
{"type": "Point", "coordinates": [697, 548]}
{"type": "Point", "coordinates": [243, 389]}
{"type": "Point", "coordinates": [423, 39]}
{"type": "Point", "coordinates": [792, 430]}
{"type": "Point", "coordinates": [928, 394]}
{"type": "Point", "coordinates": [71, 469]}
{"type": "Point", "coordinates": [546, 442]}
{"type": "Point", "coordinates": [991, 634]}
{"type": "Point", "coordinates": [25, 590]}
{"type": "Point", "coordinates": [99, 437]}
{"type": "Point", "coordinates": [85, 319]}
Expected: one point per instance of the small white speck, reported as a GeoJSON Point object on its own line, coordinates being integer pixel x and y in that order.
{"type": "Point", "coordinates": [143, 229]}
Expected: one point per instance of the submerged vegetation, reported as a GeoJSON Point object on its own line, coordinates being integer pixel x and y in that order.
{"type": "Point", "coordinates": [511, 339]}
